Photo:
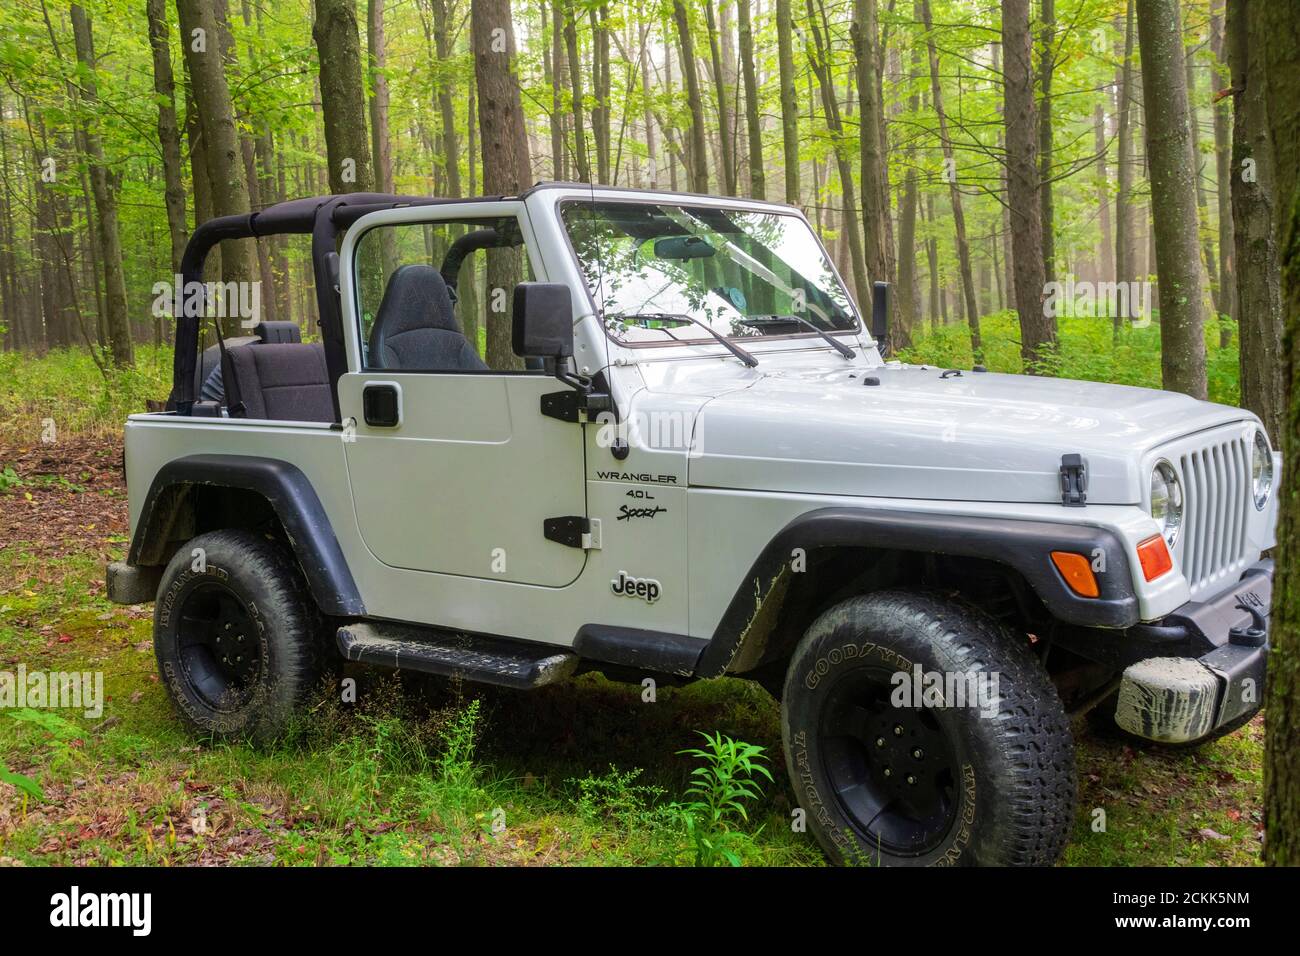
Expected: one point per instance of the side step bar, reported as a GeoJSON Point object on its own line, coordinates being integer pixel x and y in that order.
{"type": "Point", "coordinates": [486, 660]}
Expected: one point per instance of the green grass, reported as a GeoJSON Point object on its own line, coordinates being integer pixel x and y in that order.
{"type": "Point", "coordinates": [65, 387]}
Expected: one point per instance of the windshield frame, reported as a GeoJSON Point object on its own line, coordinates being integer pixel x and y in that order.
{"type": "Point", "coordinates": [651, 197]}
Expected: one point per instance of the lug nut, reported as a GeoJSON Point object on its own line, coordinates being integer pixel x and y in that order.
{"type": "Point", "coordinates": [888, 772]}
{"type": "Point", "coordinates": [898, 730]}
{"type": "Point", "coordinates": [917, 753]}
{"type": "Point", "coordinates": [880, 741]}
{"type": "Point", "coordinates": [911, 779]}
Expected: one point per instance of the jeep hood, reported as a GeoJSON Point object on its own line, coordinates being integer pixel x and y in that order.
{"type": "Point", "coordinates": [977, 436]}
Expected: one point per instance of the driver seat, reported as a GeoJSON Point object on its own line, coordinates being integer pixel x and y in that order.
{"type": "Point", "coordinates": [416, 329]}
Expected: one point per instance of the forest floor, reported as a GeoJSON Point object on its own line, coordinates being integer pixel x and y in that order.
{"type": "Point", "coordinates": [426, 771]}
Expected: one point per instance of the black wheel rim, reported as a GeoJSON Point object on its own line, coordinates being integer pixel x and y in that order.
{"type": "Point", "coordinates": [219, 648]}
{"type": "Point", "coordinates": [892, 770]}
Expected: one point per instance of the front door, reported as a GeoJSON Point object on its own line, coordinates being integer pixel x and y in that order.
{"type": "Point", "coordinates": [452, 465]}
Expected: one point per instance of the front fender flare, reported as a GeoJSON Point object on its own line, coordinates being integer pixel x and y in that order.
{"type": "Point", "coordinates": [1022, 545]}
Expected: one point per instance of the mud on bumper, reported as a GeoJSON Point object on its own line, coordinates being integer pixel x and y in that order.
{"type": "Point", "coordinates": [1187, 698]}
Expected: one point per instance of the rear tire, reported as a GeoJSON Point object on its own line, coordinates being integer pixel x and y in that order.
{"type": "Point", "coordinates": [887, 783]}
{"type": "Point", "coordinates": [237, 636]}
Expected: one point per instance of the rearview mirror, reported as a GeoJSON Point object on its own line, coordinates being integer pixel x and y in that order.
{"type": "Point", "coordinates": [683, 247]}
{"type": "Point", "coordinates": [542, 321]}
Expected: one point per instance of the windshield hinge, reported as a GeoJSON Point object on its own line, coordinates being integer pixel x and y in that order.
{"type": "Point", "coordinates": [573, 531]}
{"type": "Point", "coordinates": [1074, 481]}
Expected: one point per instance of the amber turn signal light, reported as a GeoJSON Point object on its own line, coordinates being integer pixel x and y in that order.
{"type": "Point", "coordinates": [1077, 571]}
{"type": "Point", "coordinates": [1155, 557]}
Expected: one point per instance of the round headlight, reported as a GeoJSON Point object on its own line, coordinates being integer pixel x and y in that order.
{"type": "Point", "coordinates": [1167, 501]}
{"type": "Point", "coordinates": [1261, 469]}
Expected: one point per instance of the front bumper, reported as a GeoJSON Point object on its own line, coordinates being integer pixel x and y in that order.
{"type": "Point", "coordinates": [1188, 698]}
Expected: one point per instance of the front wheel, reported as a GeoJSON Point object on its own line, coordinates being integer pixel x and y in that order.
{"type": "Point", "coordinates": [919, 731]}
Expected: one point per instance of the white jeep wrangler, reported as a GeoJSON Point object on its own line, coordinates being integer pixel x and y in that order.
{"type": "Point", "coordinates": [693, 459]}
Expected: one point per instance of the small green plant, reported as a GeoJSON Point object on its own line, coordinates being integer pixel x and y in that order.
{"type": "Point", "coordinates": [721, 788]}
{"type": "Point", "coordinates": [9, 478]}
{"type": "Point", "coordinates": [616, 797]}
{"type": "Point", "coordinates": [456, 762]}
{"type": "Point", "coordinates": [25, 784]}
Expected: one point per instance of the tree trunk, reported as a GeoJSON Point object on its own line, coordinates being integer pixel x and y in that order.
{"type": "Point", "coordinates": [722, 97]}
{"type": "Point", "coordinates": [581, 159]}
{"type": "Point", "coordinates": [1223, 173]}
{"type": "Point", "coordinates": [757, 175]}
{"type": "Point", "coordinates": [380, 146]}
{"type": "Point", "coordinates": [699, 151]}
{"type": "Point", "coordinates": [875, 201]}
{"type": "Point", "coordinates": [1277, 43]}
{"type": "Point", "coordinates": [116, 322]}
{"type": "Point", "coordinates": [789, 104]}
{"type": "Point", "coordinates": [1036, 328]}
{"type": "Point", "coordinates": [1255, 249]}
{"type": "Point", "coordinates": [1125, 264]}
{"type": "Point", "coordinates": [169, 136]}
{"type": "Point", "coordinates": [821, 68]}
{"type": "Point", "coordinates": [507, 169]}
{"type": "Point", "coordinates": [1106, 251]}
{"type": "Point", "coordinates": [1172, 169]}
{"type": "Point", "coordinates": [222, 154]}
{"type": "Point", "coordinates": [559, 64]}
{"type": "Point", "coordinates": [1047, 66]}
{"type": "Point", "coordinates": [954, 192]}
{"type": "Point", "coordinates": [347, 147]}
{"type": "Point", "coordinates": [1211, 274]}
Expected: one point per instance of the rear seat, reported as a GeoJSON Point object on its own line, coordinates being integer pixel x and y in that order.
{"type": "Point", "coordinates": [283, 382]}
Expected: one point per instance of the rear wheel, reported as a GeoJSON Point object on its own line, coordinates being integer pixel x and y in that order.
{"type": "Point", "coordinates": [889, 773]}
{"type": "Point", "coordinates": [236, 635]}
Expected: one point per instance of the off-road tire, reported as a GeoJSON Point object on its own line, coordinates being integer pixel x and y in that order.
{"type": "Point", "coordinates": [218, 588]}
{"type": "Point", "coordinates": [1010, 796]}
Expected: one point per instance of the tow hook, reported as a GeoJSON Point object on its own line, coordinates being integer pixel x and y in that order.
{"type": "Point", "coordinates": [1253, 634]}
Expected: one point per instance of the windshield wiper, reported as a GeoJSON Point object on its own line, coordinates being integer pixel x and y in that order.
{"type": "Point", "coordinates": [732, 347]}
{"type": "Point", "coordinates": [758, 321]}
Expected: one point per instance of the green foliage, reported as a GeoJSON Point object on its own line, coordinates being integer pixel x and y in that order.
{"type": "Point", "coordinates": [25, 784]}
{"type": "Point", "coordinates": [1087, 350]}
{"type": "Point", "coordinates": [721, 788]}
{"type": "Point", "coordinates": [616, 798]}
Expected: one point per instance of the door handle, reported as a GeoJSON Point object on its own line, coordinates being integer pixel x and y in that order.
{"type": "Point", "coordinates": [381, 404]}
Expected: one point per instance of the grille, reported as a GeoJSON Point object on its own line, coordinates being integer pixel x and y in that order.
{"type": "Point", "coordinates": [1217, 492]}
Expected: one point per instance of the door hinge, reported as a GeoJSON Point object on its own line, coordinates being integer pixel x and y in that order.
{"type": "Point", "coordinates": [573, 531]}
{"type": "Point", "coordinates": [572, 405]}
{"type": "Point", "coordinates": [1074, 481]}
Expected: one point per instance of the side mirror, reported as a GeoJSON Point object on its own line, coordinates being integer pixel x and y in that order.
{"type": "Point", "coordinates": [542, 320]}
{"type": "Point", "coordinates": [880, 315]}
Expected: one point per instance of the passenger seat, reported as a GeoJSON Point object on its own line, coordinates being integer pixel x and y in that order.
{"type": "Point", "coordinates": [283, 382]}
{"type": "Point", "coordinates": [416, 328]}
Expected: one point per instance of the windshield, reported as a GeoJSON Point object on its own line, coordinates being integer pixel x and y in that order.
{"type": "Point", "coordinates": [740, 272]}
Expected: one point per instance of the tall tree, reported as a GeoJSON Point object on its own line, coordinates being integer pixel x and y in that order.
{"type": "Point", "coordinates": [1036, 328]}
{"type": "Point", "coordinates": [1172, 171]}
{"type": "Point", "coordinates": [1047, 67]}
{"type": "Point", "coordinates": [789, 102]}
{"type": "Point", "coordinates": [380, 145]}
{"type": "Point", "coordinates": [699, 151]}
{"type": "Point", "coordinates": [1254, 214]}
{"type": "Point", "coordinates": [507, 169]}
{"type": "Point", "coordinates": [1125, 260]}
{"type": "Point", "coordinates": [954, 189]}
{"type": "Point", "coordinates": [214, 111]}
{"type": "Point", "coordinates": [753, 123]}
{"type": "Point", "coordinates": [1277, 43]}
{"type": "Point", "coordinates": [1223, 171]}
{"type": "Point", "coordinates": [722, 97]}
{"type": "Point", "coordinates": [875, 197]}
{"type": "Point", "coordinates": [580, 157]}
{"type": "Point", "coordinates": [169, 137]}
{"type": "Point", "coordinates": [347, 144]}
{"type": "Point", "coordinates": [104, 185]}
